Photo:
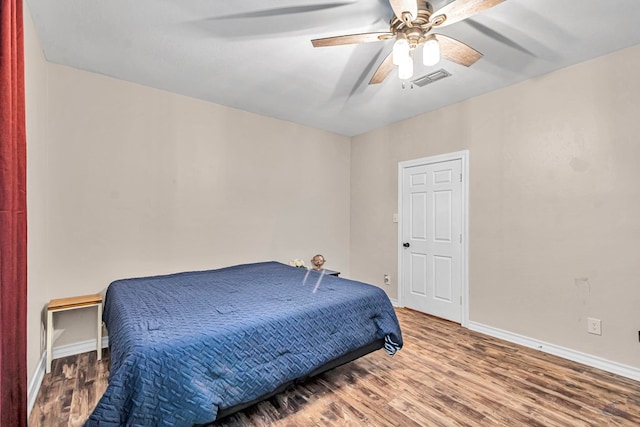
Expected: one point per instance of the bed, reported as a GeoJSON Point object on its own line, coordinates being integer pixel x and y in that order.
{"type": "Point", "coordinates": [189, 348]}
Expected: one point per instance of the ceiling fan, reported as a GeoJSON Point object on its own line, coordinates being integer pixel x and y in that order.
{"type": "Point", "coordinates": [411, 27]}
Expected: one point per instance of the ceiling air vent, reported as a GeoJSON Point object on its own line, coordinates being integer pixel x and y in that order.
{"type": "Point", "coordinates": [431, 77]}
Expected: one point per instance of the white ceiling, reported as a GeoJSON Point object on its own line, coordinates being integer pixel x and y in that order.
{"type": "Point", "coordinates": [257, 55]}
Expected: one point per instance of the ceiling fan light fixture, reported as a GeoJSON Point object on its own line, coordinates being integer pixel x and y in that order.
{"type": "Point", "coordinates": [431, 52]}
{"type": "Point", "coordinates": [400, 51]}
{"type": "Point", "coordinates": [405, 69]}
{"type": "Point", "coordinates": [410, 27]}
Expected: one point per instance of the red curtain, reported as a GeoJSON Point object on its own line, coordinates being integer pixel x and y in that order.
{"type": "Point", "coordinates": [13, 219]}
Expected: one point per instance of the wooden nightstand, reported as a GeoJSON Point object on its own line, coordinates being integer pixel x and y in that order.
{"type": "Point", "coordinates": [327, 272]}
{"type": "Point", "coordinates": [64, 304]}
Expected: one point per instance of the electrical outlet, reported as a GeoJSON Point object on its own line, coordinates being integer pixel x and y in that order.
{"type": "Point", "coordinates": [594, 326]}
{"type": "Point", "coordinates": [387, 280]}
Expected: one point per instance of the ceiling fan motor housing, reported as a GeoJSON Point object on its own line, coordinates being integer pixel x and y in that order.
{"type": "Point", "coordinates": [416, 31]}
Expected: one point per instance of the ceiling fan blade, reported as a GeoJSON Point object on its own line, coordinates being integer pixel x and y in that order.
{"type": "Point", "coordinates": [456, 51]}
{"type": "Point", "coordinates": [461, 9]}
{"type": "Point", "coordinates": [489, 32]}
{"type": "Point", "coordinates": [401, 6]}
{"type": "Point", "coordinates": [265, 13]}
{"type": "Point", "coordinates": [351, 39]}
{"type": "Point", "coordinates": [383, 70]}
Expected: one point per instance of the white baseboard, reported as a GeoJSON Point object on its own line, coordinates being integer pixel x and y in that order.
{"type": "Point", "coordinates": [58, 352]}
{"type": "Point", "coordinates": [36, 382]}
{"type": "Point", "coordinates": [394, 302]}
{"type": "Point", "coordinates": [566, 353]}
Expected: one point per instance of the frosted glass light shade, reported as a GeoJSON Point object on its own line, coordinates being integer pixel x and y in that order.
{"type": "Point", "coordinates": [405, 69]}
{"type": "Point", "coordinates": [400, 51]}
{"type": "Point", "coordinates": [431, 52]}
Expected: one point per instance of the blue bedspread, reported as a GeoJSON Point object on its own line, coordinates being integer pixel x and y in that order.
{"type": "Point", "coordinates": [185, 345]}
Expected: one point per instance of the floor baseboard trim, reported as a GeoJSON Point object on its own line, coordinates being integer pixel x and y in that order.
{"type": "Point", "coordinates": [58, 352]}
{"type": "Point", "coordinates": [566, 353]}
{"type": "Point", "coordinates": [36, 382]}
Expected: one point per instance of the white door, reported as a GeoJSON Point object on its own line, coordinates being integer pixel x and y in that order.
{"type": "Point", "coordinates": [431, 237]}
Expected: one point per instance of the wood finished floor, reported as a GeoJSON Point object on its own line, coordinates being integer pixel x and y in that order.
{"type": "Point", "coordinates": [444, 376]}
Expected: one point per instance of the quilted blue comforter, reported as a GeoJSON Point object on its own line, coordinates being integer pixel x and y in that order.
{"type": "Point", "coordinates": [185, 345]}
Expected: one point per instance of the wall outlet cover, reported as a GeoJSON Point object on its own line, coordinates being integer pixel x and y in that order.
{"type": "Point", "coordinates": [594, 326]}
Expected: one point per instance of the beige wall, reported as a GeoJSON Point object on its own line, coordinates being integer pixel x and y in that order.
{"type": "Point", "coordinates": [554, 203]}
{"type": "Point", "coordinates": [36, 123]}
{"type": "Point", "coordinates": [126, 181]}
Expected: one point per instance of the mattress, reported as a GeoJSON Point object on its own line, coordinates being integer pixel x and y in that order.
{"type": "Point", "coordinates": [185, 346]}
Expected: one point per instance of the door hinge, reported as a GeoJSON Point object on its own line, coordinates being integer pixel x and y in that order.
{"type": "Point", "coordinates": [461, 238]}
{"type": "Point", "coordinates": [460, 177]}
{"type": "Point", "coordinates": [460, 299]}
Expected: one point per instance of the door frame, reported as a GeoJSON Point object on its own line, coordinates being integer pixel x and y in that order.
{"type": "Point", "coordinates": [463, 156]}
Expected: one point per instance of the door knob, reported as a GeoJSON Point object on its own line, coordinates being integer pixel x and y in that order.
{"type": "Point", "coordinates": [406, 244]}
